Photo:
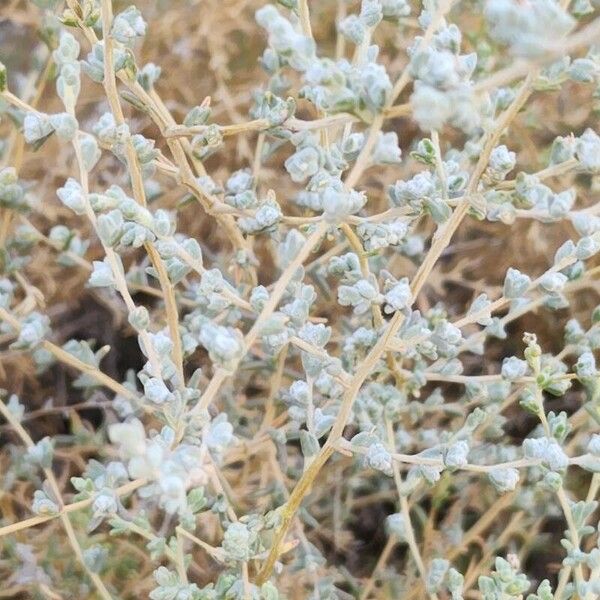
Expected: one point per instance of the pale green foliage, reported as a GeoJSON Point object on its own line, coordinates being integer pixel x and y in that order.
{"type": "Point", "coordinates": [319, 298]}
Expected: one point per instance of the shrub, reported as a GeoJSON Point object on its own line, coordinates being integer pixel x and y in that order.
{"type": "Point", "coordinates": [328, 332]}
